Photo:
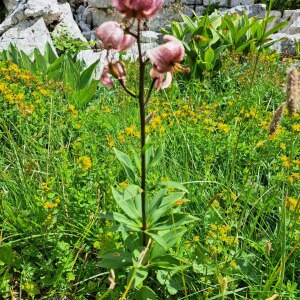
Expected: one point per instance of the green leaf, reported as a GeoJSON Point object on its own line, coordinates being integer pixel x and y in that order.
{"type": "Point", "coordinates": [276, 28]}
{"type": "Point", "coordinates": [87, 75]}
{"type": "Point", "coordinates": [156, 157]}
{"type": "Point", "coordinates": [49, 55]}
{"type": "Point", "coordinates": [82, 97]}
{"type": "Point", "coordinates": [242, 47]}
{"type": "Point", "coordinates": [124, 200]}
{"type": "Point", "coordinates": [116, 258]}
{"type": "Point", "coordinates": [40, 61]}
{"type": "Point", "coordinates": [171, 238]}
{"type": "Point", "coordinates": [173, 282]}
{"type": "Point", "coordinates": [145, 293]}
{"type": "Point", "coordinates": [138, 275]}
{"type": "Point", "coordinates": [156, 201]}
{"type": "Point", "coordinates": [170, 262]}
{"type": "Point", "coordinates": [127, 164]}
{"type": "Point", "coordinates": [174, 221]}
{"type": "Point", "coordinates": [175, 185]}
{"type": "Point", "coordinates": [6, 254]}
{"type": "Point", "coordinates": [114, 216]}
{"type": "Point", "coordinates": [209, 55]}
{"type": "Point", "coordinates": [189, 22]}
{"type": "Point", "coordinates": [159, 239]}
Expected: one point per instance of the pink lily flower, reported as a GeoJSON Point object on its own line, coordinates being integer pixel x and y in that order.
{"type": "Point", "coordinates": [116, 69]}
{"type": "Point", "coordinates": [112, 36]}
{"type": "Point", "coordinates": [166, 60]}
{"type": "Point", "coordinates": [140, 9]}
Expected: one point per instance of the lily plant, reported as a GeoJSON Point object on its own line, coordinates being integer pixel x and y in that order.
{"type": "Point", "coordinates": [151, 221]}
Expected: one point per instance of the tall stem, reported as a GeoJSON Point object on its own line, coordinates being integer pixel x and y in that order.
{"type": "Point", "coordinates": [143, 132]}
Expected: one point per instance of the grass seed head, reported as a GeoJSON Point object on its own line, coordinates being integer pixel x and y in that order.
{"type": "Point", "coordinates": [276, 118]}
{"type": "Point", "coordinates": [292, 90]}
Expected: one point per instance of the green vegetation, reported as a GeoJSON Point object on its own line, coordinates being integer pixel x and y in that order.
{"type": "Point", "coordinates": [71, 224]}
{"type": "Point", "coordinates": [281, 4]}
{"type": "Point", "coordinates": [57, 167]}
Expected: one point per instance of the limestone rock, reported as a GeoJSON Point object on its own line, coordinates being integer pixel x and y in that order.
{"type": "Point", "coordinates": [286, 43]}
{"type": "Point", "coordinates": [220, 3]}
{"type": "Point", "coordinates": [257, 10]}
{"type": "Point", "coordinates": [10, 5]}
{"type": "Point", "coordinates": [89, 57]}
{"type": "Point", "coordinates": [277, 19]}
{"type": "Point", "coordinates": [66, 21]}
{"type": "Point", "coordinates": [293, 16]}
{"type": "Point", "coordinates": [241, 2]}
{"type": "Point", "coordinates": [27, 35]}
{"type": "Point", "coordinates": [100, 3]}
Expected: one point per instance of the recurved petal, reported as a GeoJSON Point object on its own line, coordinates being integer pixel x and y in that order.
{"type": "Point", "coordinates": [104, 79]}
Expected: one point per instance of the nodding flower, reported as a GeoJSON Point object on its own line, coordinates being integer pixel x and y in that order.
{"type": "Point", "coordinates": [112, 36]}
{"type": "Point", "coordinates": [114, 68]}
{"type": "Point", "coordinates": [166, 60]}
{"type": "Point", "coordinates": [140, 9]}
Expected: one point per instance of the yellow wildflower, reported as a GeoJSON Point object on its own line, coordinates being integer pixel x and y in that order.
{"type": "Point", "coordinates": [86, 162]}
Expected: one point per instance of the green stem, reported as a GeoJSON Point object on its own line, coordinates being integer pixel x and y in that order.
{"type": "Point", "coordinates": [143, 132]}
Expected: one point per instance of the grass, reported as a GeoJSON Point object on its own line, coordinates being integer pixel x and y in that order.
{"type": "Point", "coordinates": [57, 167]}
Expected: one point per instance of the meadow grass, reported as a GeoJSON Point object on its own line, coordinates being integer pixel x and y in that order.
{"type": "Point", "coordinates": [57, 166]}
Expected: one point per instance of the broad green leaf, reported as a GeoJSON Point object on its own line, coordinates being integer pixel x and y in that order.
{"type": "Point", "coordinates": [127, 163]}
{"type": "Point", "coordinates": [6, 254]}
{"type": "Point", "coordinates": [172, 281]}
{"type": "Point", "coordinates": [276, 28]}
{"type": "Point", "coordinates": [157, 155]}
{"type": "Point", "coordinates": [171, 238]}
{"type": "Point", "coordinates": [49, 55]}
{"type": "Point", "coordinates": [189, 22]}
{"type": "Point", "coordinates": [114, 216]}
{"type": "Point", "coordinates": [242, 47]}
{"type": "Point", "coordinates": [116, 258]}
{"type": "Point", "coordinates": [174, 221]}
{"type": "Point", "coordinates": [26, 62]}
{"type": "Point", "coordinates": [82, 97]}
{"type": "Point", "coordinates": [159, 239]}
{"type": "Point", "coordinates": [173, 184]}
{"type": "Point", "coordinates": [86, 76]}
{"type": "Point", "coordinates": [170, 262]}
{"type": "Point", "coordinates": [138, 275]}
{"type": "Point", "coordinates": [125, 200]}
{"type": "Point", "coordinates": [145, 293]}
{"type": "Point", "coordinates": [209, 55]}
{"type": "Point", "coordinates": [40, 62]}
{"type": "Point", "coordinates": [155, 202]}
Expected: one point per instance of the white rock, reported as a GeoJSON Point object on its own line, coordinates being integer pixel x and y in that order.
{"type": "Point", "coordinates": [100, 3]}
{"type": "Point", "coordinates": [10, 4]}
{"type": "Point", "coordinates": [286, 43]}
{"type": "Point", "coordinates": [66, 21]}
{"type": "Point", "coordinates": [293, 17]}
{"type": "Point", "coordinates": [89, 57]}
{"type": "Point", "coordinates": [220, 3]}
{"type": "Point", "coordinates": [27, 36]}
{"type": "Point", "coordinates": [277, 18]}
{"type": "Point", "coordinates": [132, 53]}
{"type": "Point", "coordinates": [257, 10]}
{"type": "Point", "coordinates": [149, 36]}
{"type": "Point", "coordinates": [49, 9]}
{"type": "Point", "coordinates": [241, 2]}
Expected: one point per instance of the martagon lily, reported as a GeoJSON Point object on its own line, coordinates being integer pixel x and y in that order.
{"type": "Point", "coordinates": [166, 59]}
{"type": "Point", "coordinates": [139, 9]}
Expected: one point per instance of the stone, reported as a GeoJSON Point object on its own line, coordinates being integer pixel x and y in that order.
{"type": "Point", "coordinates": [87, 17]}
{"type": "Point", "coordinates": [293, 17]}
{"type": "Point", "coordinates": [149, 36]}
{"type": "Point", "coordinates": [193, 2]}
{"type": "Point", "coordinates": [132, 53]}
{"type": "Point", "coordinates": [84, 27]}
{"type": "Point", "coordinates": [102, 15]}
{"type": "Point", "coordinates": [27, 35]}
{"type": "Point", "coordinates": [90, 56]}
{"type": "Point", "coordinates": [286, 43]}
{"type": "Point", "coordinates": [67, 22]}
{"type": "Point", "coordinates": [10, 5]}
{"type": "Point", "coordinates": [256, 10]}
{"type": "Point", "coordinates": [48, 9]}
{"type": "Point", "coordinates": [219, 3]}
{"type": "Point", "coordinates": [100, 3]}
{"type": "Point", "coordinates": [241, 2]}
{"type": "Point", "coordinates": [79, 12]}
{"type": "Point", "coordinates": [277, 19]}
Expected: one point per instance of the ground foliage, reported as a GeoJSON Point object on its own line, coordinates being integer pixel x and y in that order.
{"type": "Point", "coordinates": [57, 166]}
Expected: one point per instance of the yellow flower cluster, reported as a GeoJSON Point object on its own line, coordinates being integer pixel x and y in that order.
{"type": "Point", "coordinates": [85, 162]}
